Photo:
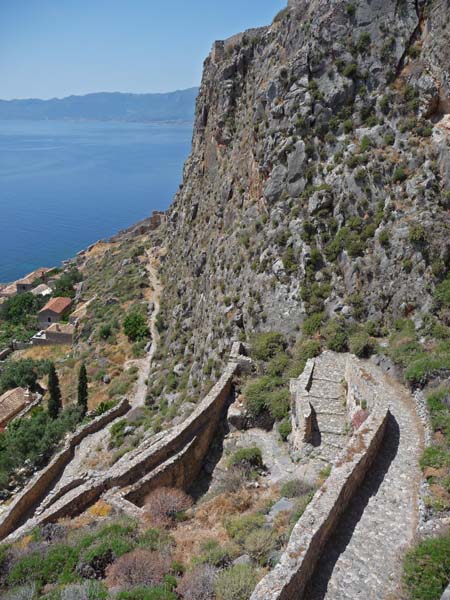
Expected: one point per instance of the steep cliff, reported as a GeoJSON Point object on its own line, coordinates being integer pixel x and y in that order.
{"type": "Point", "coordinates": [319, 178]}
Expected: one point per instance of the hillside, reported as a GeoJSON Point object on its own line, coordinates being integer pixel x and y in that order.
{"type": "Point", "coordinates": [173, 106]}
{"type": "Point", "coordinates": [268, 362]}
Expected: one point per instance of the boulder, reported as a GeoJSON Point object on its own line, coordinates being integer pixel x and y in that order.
{"type": "Point", "coordinates": [275, 185]}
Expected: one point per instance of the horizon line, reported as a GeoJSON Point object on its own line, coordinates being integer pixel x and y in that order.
{"type": "Point", "coordinates": [194, 87]}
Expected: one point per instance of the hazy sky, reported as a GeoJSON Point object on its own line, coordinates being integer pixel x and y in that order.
{"type": "Point", "coordinates": [54, 48]}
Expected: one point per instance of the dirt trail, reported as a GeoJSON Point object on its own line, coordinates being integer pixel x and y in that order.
{"type": "Point", "coordinates": [92, 455]}
{"type": "Point", "coordinates": [144, 364]}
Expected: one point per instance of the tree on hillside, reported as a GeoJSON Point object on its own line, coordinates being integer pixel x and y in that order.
{"type": "Point", "coordinates": [54, 402]}
{"type": "Point", "coordinates": [135, 326]}
{"type": "Point", "coordinates": [83, 389]}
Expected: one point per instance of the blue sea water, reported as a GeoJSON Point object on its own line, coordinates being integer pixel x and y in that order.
{"type": "Point", "coordinates": [65, 185]}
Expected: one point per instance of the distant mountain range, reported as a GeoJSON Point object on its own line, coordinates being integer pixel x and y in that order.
{"type": "Point", "coordinates": [106, 106]}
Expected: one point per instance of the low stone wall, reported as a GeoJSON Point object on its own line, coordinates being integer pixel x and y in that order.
{"type": "Point", "coordinates": [361, 392]}
{"type": "Point", "coordinates": [291, 575]}
{"type": "Point", "coordinates": [301, 413]}
{"type": "Point", "coordinates": [28, 408]}
{"type": "Point", "coordinates": [27, 501]}
{"type": "Point", "coordinates": [5, 353]}
{"type": "Point", "coordinates": [174, 459]}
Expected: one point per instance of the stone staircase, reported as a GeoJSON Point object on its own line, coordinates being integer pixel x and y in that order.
{"type": "Point", "coordinates": [327, 395]}
{"type": "Point", "coordinates": [320, 395]}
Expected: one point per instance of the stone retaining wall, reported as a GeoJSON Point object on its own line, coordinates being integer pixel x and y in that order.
{"type": "Point", "coordinates": [174, 459]}
{"type": "Point", "coordinates": [29, 498]}
{"type": "Point", "coordinates": [361, 391]}
{"type": "Point", "coordinates": [291, 575]}
{"type": "Point", "coordinates": [301, 416]}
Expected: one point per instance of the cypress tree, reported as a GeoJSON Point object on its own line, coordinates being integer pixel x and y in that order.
{"type": "Point", "coordinates": [54, 402]}
{"type": "Point", "coordinates": [83, 389]}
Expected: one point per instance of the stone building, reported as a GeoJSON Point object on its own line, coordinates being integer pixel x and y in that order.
{"type": "Point", "coordinates": [54, 311]}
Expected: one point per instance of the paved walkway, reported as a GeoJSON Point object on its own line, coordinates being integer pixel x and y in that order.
{"type": "Point", "coordinates": [363, 560]}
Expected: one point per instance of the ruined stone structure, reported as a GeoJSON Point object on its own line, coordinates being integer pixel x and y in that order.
{"type": "Point", "coordinates": [319, 416]}
{"type": "Point", "coordinates": [349, 542]}
{"type": "Point", "coordinates": [172, 458]}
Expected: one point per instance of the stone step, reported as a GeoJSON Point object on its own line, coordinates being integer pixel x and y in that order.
{"type": "Point", "coordinates": [325, 404]}
{"type": "Point", "coordinates": [322, 388]}
{"type": "Point", "coordinates": [336, 439]}
{"type": "Point", "coordinates": [328, 453]}
{"type": "Point", "coordinates": [332, 423]}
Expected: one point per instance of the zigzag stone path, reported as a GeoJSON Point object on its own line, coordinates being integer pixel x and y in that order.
{"type": "Point", "coordinates": [363, 560]}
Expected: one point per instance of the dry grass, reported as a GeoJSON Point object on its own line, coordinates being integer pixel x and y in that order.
{"type": "Point", "coordinates": [207, 520]}
{"type": "Point", "coordinates": [52, 353]}
{"type": "Point", "coordinates": [100, 509]}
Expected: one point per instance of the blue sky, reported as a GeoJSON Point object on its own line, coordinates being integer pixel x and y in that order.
{"type": "Point", "coordinates": [54, 48]}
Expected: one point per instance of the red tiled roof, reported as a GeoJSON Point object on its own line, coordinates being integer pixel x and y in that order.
{"type": "Point", "coordinates": [57, 305]}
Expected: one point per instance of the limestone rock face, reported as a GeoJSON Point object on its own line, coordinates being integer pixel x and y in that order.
{"type": "Point", "coordinates": [319, 142]}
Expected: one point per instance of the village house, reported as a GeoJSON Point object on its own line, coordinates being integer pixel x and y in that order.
{"type": "Point", "coordinates": [27, 283]}
{"type": "Point", "coordinates": [12, 403]}
{"type": "Point", "coordinates": [54, 311]}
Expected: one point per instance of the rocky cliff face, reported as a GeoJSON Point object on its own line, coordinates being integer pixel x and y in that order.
{"type": "Point", "coordinates": [319, 177]}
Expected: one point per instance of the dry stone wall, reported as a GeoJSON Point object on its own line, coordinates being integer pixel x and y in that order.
{"type": "Point", "coordinates": [33, 493]}
{"type": "Point", "coordinates": [292, 574]}
{"type": "Point", "coordinates": [175, 458]}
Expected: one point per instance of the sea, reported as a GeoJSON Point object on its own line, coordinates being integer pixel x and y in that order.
{"type": "Point", "coordinates": [67, 184]}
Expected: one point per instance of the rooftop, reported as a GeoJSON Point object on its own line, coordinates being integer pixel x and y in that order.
{"type": "Point", "coordinates": [28, 279]}
{"type": "Point", "coordinates": [61, 328]}
{"type": "Point", "coordinates": [41, 290]}
{"type": "Point", "coordinates": [57, 305]}
{"type": "Point", "coordinates": [12, 401]}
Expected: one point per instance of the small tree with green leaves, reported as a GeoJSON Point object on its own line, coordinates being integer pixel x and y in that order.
{"type": "Point", "coordinates": [54, 402]}
{"type": "Point", "coordinates": [83, 389]}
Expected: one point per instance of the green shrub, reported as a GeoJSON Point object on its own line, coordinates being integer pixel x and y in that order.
{"type": "Point", "coordinates": [424, 366]}
{"type": "Point", "coordinates": [289, 261]}
{"type": "Point", "coordinates": [33, 440]}
{"type": "Point", "coordinates": [160, 592]}
{"type": "Point", "coordinates": [300, 506]}
{"type": "Point", "coordinates": [257, 393]}
{"type": "Point", "coordinates": [246, 458]}
{"type": "Point", "coordinates": [239, 528]}
{"type": "Point", "coordinates": [442, 294]}
{"type": "Point", "coordinates": [440, 410]}
{"type": "Point", "coordinates": [236, 583]}
{"type": "Point", "coordinates": [265, 394]}
{"type": "Point", "coordinates": [212, 553]}
{"type": "Point", "coordinates": [400, 175]}
{"type": "Point", "coordinates": [417, 234]}
{"type": "Point", "coordinates": [427, 569]}
{"type": "Point", "coordinates": [279, 404]}
{"type": "Point", "coordinates": [278, 365]}
{"type": "Point", "coordinates": [56, 565]}
{"type": "Point", "coordinates": [135, 326]}
{"type": "Point", "coordinates": [436, 457]}
{"type": "Point", "coordinates": [285, 428]}
{"type": "Point", "coordinates": [350, 70]}
{"type": "Point", "coordinates": [383, 238]}
{"type": "Point", "coordinates": [295, 488]}
{"type": "Point", "coordinates": [363, 43]}
{"type": "Point", "coordinates": [336, 336]}
{"type": "Point", "coordinates": [266, 345]}
{"type": "Point", "coordinates": [313, 323]}
{"type": "Point", "coordinates": [260, 543]}
{"type": "Point", "coordinates": [361, 345]}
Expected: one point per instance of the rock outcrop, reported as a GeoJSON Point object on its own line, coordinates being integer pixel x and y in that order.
{"type": "Point", "coordinates": [319, 176]}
